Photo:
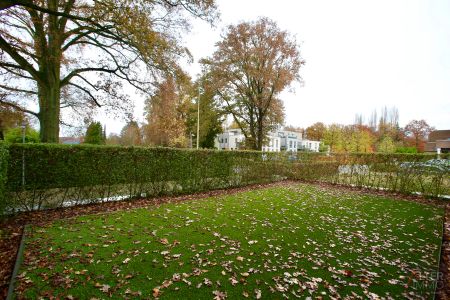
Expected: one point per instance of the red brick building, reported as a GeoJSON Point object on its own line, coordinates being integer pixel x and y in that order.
{"type": "Point", "coordinates": [438, 139]}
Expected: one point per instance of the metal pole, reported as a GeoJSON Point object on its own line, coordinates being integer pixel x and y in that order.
{"type": "Point", "coordinates": [198, 118]}
{"type": "Point", "coordinates": [23, 155]}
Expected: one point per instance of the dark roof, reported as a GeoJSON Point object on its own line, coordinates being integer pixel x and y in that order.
{"type": "Point", "coordinates": [439, 135]}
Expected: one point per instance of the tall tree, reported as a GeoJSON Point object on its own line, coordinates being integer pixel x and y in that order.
{"type": "Point", "coordinates": [113, 139]}
{"type": "Point", "coordinates": [333, 137]}
{"type": "Point", "coordinates": [42, 41]}
{"type": "Point", "coordinates": [386, 145]}
{"type": "Point", "coordinates": [167, 113]}
{"type": "Point", "coordinates": [418, 130]}
{"type": "Point", "coordinates": [211, 115]}
{"type": "Point", "coordinates": [251, 66]}
{"type": "Point", "coordinates": [130, 134]}
{"type": "Point", "coordinates": [357, 138]}
{"type": "Point", "coordinates": [94, 134]}
{"type": "Point", "coordinates": [316, 131]}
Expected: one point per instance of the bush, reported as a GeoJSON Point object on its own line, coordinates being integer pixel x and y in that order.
{"type": "Point", "coordinates": [14, 135]}
{"type": "Point", "coordinates": [406, 150]}
{"type": "Point", "coordinates": [94, 134]}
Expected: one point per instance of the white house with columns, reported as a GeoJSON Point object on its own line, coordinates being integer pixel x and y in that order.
{"type": "Point", "coordinates": [280, 140]}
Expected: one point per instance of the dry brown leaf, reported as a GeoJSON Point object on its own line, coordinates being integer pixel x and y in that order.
{"type": "Point", "coordinates": [156, 292]}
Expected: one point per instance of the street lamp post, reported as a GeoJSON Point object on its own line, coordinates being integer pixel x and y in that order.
{"type": "Point", "coordinates": [198, 118]}
{"type": "Point", "coordinates": [24, 127]}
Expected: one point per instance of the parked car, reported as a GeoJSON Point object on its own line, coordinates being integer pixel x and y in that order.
{"type": "Point", "coordinates": [432, 165]}
{"type": "Point", "coordinates": [353, 169]}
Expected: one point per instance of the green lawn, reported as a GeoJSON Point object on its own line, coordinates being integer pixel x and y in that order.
{"type": "Point", "coordinates": [294, 241]}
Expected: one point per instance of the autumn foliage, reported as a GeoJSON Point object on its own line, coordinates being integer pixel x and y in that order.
{"type": "Point", "coordinates": [251, 66]}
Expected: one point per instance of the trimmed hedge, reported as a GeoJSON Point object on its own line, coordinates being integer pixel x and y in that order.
{"type": "Point", "coordinates": [4, 156]}
{"type": "Point", "coordinates": [58, 174]}
{"type": "Point", "coordinates": [61, 175]}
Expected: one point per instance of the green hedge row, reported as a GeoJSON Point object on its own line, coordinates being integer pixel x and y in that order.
{"type": "Point", "coordinates": [60, 175]}
{"type": "Point", "coordinates": [4, 155]}
{"type": "Point", "coordinates": [56, 175]}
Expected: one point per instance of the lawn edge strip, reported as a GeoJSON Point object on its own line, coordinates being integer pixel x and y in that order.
{"type": "Point", "coordinates": [19, 260]}
{"type": "Point", "coordinates": [441, 246]}
{"type": "Point", "coordinates": [442, 283]}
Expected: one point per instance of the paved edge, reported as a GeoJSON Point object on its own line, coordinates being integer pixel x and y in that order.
{"type": "Point", "coordinates": [443, 280]}
{"type": "Point", "coordinates": [19, 260]}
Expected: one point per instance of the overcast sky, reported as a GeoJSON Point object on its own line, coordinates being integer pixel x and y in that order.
{"type": "Point", "coordinates": [360, 56]}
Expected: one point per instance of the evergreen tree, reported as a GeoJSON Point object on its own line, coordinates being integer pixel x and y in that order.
{"type": "Point", "coordinates": [94, 134]}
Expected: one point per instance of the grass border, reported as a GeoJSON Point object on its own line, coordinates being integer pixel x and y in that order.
{"type": "Point", "coordinates": [19, 260]}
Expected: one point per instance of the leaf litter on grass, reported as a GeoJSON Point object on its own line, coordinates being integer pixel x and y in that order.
{"type": "Point", "coordinates": [294, 242]}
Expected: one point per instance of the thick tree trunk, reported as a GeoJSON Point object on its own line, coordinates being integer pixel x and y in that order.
{"type": "Point", "coordinates": [49, 87]}
{"type": "Point", "coordinates": [49, 100]}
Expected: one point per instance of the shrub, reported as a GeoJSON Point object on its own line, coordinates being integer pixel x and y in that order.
{"type": "Point", "coordinates": [94, 134]}
{"type": "Point", "coordinates": [406, 150]}
{"type": "Point", "coordinates": [14, 135]}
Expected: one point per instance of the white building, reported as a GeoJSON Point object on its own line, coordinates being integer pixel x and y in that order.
{"type": "Point", "coordinates": [307, 145]}
{"type": "Point", "coordinates": [289, 140]}
{"type": "Point", "coordinates": [273, 144]}
{"type": "Point", "coordinates": [277, 141]}
{"type": "Point", "coordinates": [230, 140]}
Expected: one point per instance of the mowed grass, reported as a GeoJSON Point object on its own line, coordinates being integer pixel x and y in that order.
{"type": "Point", "coordinates": [273, 243]}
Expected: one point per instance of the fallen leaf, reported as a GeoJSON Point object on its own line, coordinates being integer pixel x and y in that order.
{"type": "Point", "coordinates": [156, 292]}
{"type": "Point", "coordinates": [126, 260]}
{"type": "Point", "coordinates": [105, 288]}
{"type": "Point", "coordinates": [218, 295]}
{"type": "Point", "coordinates": [257, 293]}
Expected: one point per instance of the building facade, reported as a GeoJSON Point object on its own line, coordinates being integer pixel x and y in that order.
{"type": "Point", "coordinates": [232, 139]}
{"type": "Point", "coordinates": [438, 141]}
{"type": "Point", "coordinates": [289, 140]}
{"type": "Point", "coordinates": [273, 144]}
{"type": "Point", "coordinates": [280, 140]}
{"type": "Point", "coordinates": [310, 146]}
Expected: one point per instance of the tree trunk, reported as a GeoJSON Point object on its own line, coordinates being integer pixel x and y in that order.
{"type": "Point", "coordinates": [48, 47]}
{"type": "Point", "coordinates": [49, 100]}
{"type": "Point", "coordinates": [260, 137]}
